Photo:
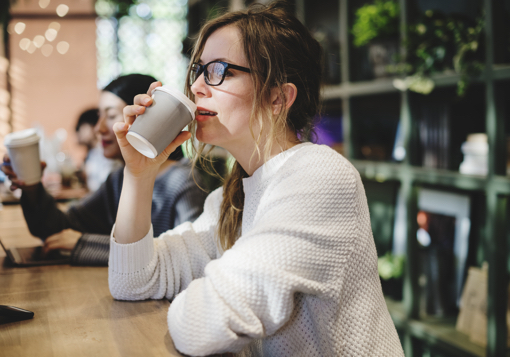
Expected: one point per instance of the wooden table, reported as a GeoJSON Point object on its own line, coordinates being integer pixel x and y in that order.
{"type": "Point", "coordinates": [75, 314]}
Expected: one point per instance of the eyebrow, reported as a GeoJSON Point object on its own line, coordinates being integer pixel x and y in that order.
{"type": "Point", "coordinates": [222, 59]}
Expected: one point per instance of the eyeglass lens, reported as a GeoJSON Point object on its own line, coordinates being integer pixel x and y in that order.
{"type": "Point", "coordinates": [213, 73]}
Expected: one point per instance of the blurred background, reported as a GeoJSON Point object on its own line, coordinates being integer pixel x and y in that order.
{"type": "Point", "coordinates": [415, 96]}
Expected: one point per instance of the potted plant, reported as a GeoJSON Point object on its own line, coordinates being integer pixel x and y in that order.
{"type": "Point", "coordinates": [377, 26]}
{"type": "Point", "coordinates": [391, 270]}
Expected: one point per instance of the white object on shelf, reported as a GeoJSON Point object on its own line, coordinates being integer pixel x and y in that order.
{"type": "Point", "coordinates": [475, 150]}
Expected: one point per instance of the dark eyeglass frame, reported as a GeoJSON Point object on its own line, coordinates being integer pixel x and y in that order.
{"type": "Point", "coordinates": [197, 69]}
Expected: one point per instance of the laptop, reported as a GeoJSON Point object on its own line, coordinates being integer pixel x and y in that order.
{"type": "Point", "coordinates": [34, 256]}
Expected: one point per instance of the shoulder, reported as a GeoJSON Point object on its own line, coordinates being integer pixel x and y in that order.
{"type": "Point", "coordinates": [319, 164]}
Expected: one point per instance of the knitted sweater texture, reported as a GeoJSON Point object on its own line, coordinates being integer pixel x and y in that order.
{"type": "Point", "coordinates": [301, 280]}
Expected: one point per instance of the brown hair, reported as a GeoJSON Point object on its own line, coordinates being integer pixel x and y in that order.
{"type": "Point", "coordinates": [279, 50]}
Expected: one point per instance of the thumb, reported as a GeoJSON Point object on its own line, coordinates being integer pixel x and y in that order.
{"type": "Point", "coordinates": [120, 129]}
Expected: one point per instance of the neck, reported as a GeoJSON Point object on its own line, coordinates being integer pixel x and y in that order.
{"type": "Point", "coordinates": [249, 158]}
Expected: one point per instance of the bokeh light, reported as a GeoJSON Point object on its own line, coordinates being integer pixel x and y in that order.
{"type": "Point", "coordinates": [55, 26]}
{"type": "Point", "coordinates": [62, 10]}
{"type": "Point", "coordinates": [51, 34]}
{"type": "Point", "coordinates": [44, 3]}
{"type": "Point", "coordinates": [19, 27]}
{"type": "Point", "coordinates": [24, 43]}
{"type": "Point", "coordinates": [39, 41]}
{"type": "Point", "coordinates": [63, 47]}
{"type": "Point", "coordinates": [47, 50]}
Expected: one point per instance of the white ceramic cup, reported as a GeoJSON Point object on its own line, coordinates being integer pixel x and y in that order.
{"type": "Point", "coordinates": [23, 148]}
{"type": "Point", "coordinates": [155, 129]}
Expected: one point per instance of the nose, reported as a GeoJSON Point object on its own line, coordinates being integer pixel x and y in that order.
{"type": "Point", "coordinates": [100, 127]}
{"type": "Point", "coordinates": [200, 88]}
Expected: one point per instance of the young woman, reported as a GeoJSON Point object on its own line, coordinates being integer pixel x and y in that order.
{"type": "Point", "coordinates": [85, 227]}
{"type": "Point", "coordinates": [282, 261]}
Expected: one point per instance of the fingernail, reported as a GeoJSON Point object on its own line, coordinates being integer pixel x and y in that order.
{"type": "Point", "coordinates": [146, 101]}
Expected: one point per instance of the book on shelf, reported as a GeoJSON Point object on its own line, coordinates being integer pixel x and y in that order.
{"type": "Point", "coordinates": [472, 318]}
{"type": "Point", "coordinates": [434, 129]}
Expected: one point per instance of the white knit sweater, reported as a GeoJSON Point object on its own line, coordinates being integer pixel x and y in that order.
{"type": "Point", "coordinates": [301, 280]}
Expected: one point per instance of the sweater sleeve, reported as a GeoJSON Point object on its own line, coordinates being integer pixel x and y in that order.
{"type": "Point", "coordinates": [157, 268]}
{"type": "Point", "coordinates": [92, 214]}
{"type": "Point", "coordinates": [91, 250]}
{"type": "Point", "coordinates": [300, 243]}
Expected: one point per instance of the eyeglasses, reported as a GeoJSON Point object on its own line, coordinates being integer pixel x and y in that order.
{"type": "Point", "coordinates": [214, 72]}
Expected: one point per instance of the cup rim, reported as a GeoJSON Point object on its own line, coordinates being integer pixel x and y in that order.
{"type": "Point", "coordinates": [22, 138]}
{"type": "Point", "coordinates": [192, 107]}
{"type": "Point", "coordinates": [141, 144]}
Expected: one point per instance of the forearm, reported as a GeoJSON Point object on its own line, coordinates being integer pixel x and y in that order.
{"type": "Point", "coordinates": [42, 214]}
{"type": "Point", "coordinates": [134, 212]}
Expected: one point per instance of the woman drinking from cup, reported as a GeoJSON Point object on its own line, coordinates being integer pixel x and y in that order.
{"type": "Point", "coordinates": [282, 261]}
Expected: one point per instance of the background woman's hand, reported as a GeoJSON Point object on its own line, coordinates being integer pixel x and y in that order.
{"type": "Point", "coordinates": [9, 172]}
{"type": "Point", "coordinates": [137, 164]}
{"type": "Point", "coordinates": [65, 240]}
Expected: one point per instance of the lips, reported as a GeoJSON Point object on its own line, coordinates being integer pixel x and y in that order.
{"type": "Point", "coordinates": [106, 143]}
{"type": "Point", "coordinates": [204, 114]}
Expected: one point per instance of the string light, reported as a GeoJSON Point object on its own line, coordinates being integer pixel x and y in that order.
{"type": "Point", "coordinates": [55, 26]}
{"type": "Point", "coordinates": [24, 43]}
{"type": "Point", "coordinates": [39, 41]}
{"type": "Point", "coordinates": [44, 3]}
{"type": "Point", "coordinates": [51, 34]}
{"type": "Point", "coordinates": [62, 10]}
{"type": "Point", "coordinates": [47, 49]}
{"type": "Point", "coordinates": [62, 47]}
{"type": "Point", "coordinates": [31, 48]}
{"type": "Point", "coordinates": [19, 28]}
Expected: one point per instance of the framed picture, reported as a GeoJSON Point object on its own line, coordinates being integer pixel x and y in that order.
{"type": "Point", "coordinates": [444, 226]}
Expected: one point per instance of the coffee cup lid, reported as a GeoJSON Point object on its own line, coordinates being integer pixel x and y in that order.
{"type": "Point", "coordinates": [22, 138]}
{"type": "Point", "coordinates": [192, 107]}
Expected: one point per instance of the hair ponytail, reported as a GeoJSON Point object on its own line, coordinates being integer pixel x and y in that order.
{"type": "Point", "coordinates": [231, 213]}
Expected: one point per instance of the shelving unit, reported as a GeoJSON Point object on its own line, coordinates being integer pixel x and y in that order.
{"type": "Point", "coordinates": [350, 96]}
{"type": "Point", "coordinates": [422, 336]}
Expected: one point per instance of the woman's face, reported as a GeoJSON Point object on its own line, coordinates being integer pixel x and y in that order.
{"type": "Point", "coordinates": [224, 111]}
{"type": "Point", "coordinates": [110, 112]}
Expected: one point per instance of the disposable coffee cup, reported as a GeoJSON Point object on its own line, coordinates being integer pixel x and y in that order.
{"type": "Point", "coordinates": [155, 129]}
{"type": "Point", "coordinates": [23, 148]}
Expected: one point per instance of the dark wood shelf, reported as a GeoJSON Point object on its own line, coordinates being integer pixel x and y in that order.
{"type": "Point", "coordinates": [437, 332]}
{"type": "Point", "coordinates": [385, 85]}
{"type": "Point", "coordinates": [390, 171]}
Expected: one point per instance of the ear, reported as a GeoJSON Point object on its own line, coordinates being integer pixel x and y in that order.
{"type": "Point", "coordinates": [290, 92]}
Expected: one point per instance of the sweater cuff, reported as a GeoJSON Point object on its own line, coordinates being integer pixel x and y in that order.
{"type": "Point", "coordinates": [131, 257]}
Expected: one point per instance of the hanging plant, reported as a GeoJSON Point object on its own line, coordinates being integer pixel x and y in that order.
{"type": "Point", "coordinates": [437, 43]}
{"type": "Point", "coordinates": [440, 43]}
{"type": "Point", "coordinates": [376, 21]}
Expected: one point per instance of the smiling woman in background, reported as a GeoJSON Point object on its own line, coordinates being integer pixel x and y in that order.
{"type": "Point", "coordinates": [86, 226]}
{"type": "Point", "coordinates": [282, 261]}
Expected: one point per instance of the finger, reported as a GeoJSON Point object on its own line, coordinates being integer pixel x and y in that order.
{"type": "Point", "coordinates": [131, 112]}
{"type": "Point", "coordinates": [143, 99]}
{"type": "Point", "coordinates": [7, 169]}
{"type": "Point", "coordinates": [7, 159]}
{"type": "Point", "coordinates": [179, 140]}
{"type": "Point", "coordinates": [120, 129]}
{"type": "Point", "coordinates": [50, 246]}
{"type": "Point", "coordinates": [153, 86]}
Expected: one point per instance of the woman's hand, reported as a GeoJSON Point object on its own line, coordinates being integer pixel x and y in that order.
{"type": "Point", "coordinates": [9, 172]}
{"type": "Point", "coordinates": [138, 165]}
{"type": "Point", "coordinates": [65, 240]}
